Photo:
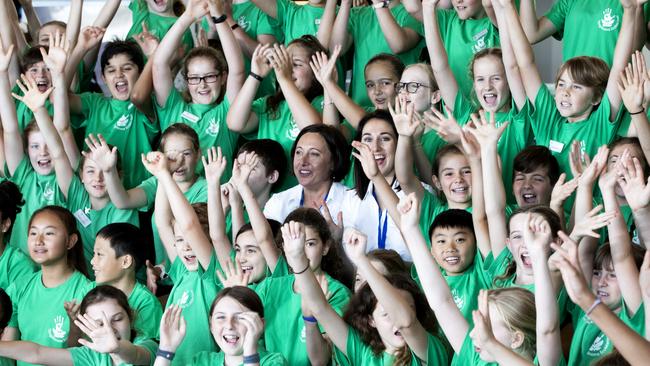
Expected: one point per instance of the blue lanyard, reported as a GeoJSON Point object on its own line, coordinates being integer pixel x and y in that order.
{"type": "Point", "coordinates": [302, 197]}
{"type": "Point", "coordinates": [382, 229]}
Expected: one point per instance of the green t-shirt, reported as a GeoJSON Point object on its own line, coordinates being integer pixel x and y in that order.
{"type": "Point", "coordinates": [462, 39]}
{"type": "Point", "coordinates": [147, 310]}
{"type": "Point", "coordinates": [194, 291]}
{"type": "Point", "coordinates": [589, 343]}
{"type": "Point", "coordinates": [285, 329]}
{"type": "Point", "coordinates": [600, 19]}
{"type": "Point", "coordinates": [209, 122]}
{"type": "Point", "coordinates": [156, 24]}
{"type": "Point", "coordinates": [198, 192]}
{"type": "Point", "coordinates": [369, 40]}
{"type": "Point", "coordinates": [90, 221]}
{"type": "Point", "coordinates": [297, 20]}
{"type": "Point", "coordinates": [281, 127]}
{"type": "Point", "coordinates": [555, 132]}
{"type": "Point", "coordinates": [360, 353]}
{"type": "Point", "coordinates": [38, 191]}
{"type": "Point", "coordinates": [218, 359]}
{"type": "Point", "coordinates": [84, 356]}
{"type": "Point", "coordinates": [14, 265]}
{"type": "Point", "coordinates": [515, 138]}
{"type": "Point", "coordinates": [38, 311]}
{"type": "Point", "coordinates": [124, 127]}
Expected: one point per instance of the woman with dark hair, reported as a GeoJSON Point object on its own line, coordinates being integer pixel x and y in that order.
{"type": "Point", "coordinates": [320, 161]}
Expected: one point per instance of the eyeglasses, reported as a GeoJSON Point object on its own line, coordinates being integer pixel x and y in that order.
{"type": "Point", "coordinates": [196, 80]}
{"type": "Point", "coordinates": [411, 87]}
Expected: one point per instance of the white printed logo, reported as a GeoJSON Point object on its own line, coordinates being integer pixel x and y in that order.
{"type": "Point", "coordinates": [187, 298]}
{"type": "Point", "coordinates": [479, 41]}
{"type": "Point", "coordinates": [124, 123]}
{"type": "Point", "coordinates": [243, 23]}
{"type": "Point", "coordinates": [609, 21]}
{"type": "Point", "coordinates": [303, 334]}
{"type": "Point", "coordinates": [213, 128]}
{"type": "Point", "coordinates": [48, 194]}
{"type": "Point", "coordinates": [293, 130]}
{"type": "Point", "coordinates": [460, 302]}
{"type": "Point", "coordinates": [57, 333]}
{"type": "Point", "coordinates": [601, 344]}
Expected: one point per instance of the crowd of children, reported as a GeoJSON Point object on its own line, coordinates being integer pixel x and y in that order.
{"type": "Point", "coordinates": [323, 182]}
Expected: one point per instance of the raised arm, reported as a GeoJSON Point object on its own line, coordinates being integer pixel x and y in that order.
{"type": "Point", "coordinates": [74, 22]}
{"type": "Point", "coordinates": [34, 353]}
{"type": "Point", "coordinates": [261, 229]}
{"type": "Point", "coordinates": [434, 285]}
{"type": "Point", "coordinates": [163, 217]}
{"type": "Point", "coordinates": [513, 75]}
{"type": "Point", "coordinates": [327, 23]}
{"type": "Point", "coordinates": [401, 314]}
{"type": "Point", "coordinates": [632, 87]}
{"type": "Point", "coordinates": [536, 29]}
{"type": "Point", "coordinates": [405, 123]}
{"type": "Point", "coordinates": [240, 117]}
{"type": "Point", "coordinates": [438, 54]}
{"type": "Point", "coordinates": [185, 217]}
{"type": "Point", "coordinates": [13, 141]}
{"type": "Point", "coordinates": [9, 38]}
{"type": "Point", "coordinates": [141, 93]}
{"type": "Point", "coordinates": [163, 78]}
{"type": "Point", "coordinates": [214, 166]}
{"type": "Point", "coordinates": [400, 39]}
{"type": "Point", "coordinates": [89, 39]}
{"type": "Point", "coordinates": [340, 33]}
{"type": "Point", "coordinates": [637, 194]}
{"type": "Point", "coordinates": [231, 50]}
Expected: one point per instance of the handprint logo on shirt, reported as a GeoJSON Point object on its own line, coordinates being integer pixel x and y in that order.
{"type": "Point", "coordinates": [601, 344]}
{"type": "Point", "coordinates": [58, 334]}
{"type": "Point", "coordinates": [187, 298]}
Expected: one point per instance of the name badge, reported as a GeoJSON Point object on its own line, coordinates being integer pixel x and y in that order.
{"type": "Point", "coordinates": [84, 220]}
{"type": "Point", "coordinates": [190, 117]}
{"type": "Point", "coordinates": [555, 146]}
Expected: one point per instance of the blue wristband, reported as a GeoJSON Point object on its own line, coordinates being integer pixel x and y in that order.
{"type": "Point", "coordinates": [165, 354]}
{"type": "Point", "coordinates": [254, 358]}
{"type": "Point", "coordinates": [309, 319]}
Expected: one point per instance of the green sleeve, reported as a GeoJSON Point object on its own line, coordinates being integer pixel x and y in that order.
{"type": "Point", "coordinates": [557, 14]}
{"type": "Point", "coordinates": [463, 109]}
{"type": "Point", "coordinates": [436, 351]}
{"type": "Point", "coordinates": [404, 19]}
{"type": "Point", "coordinates": [90, 103]}
{"type": "Point", "coordinates": [282, 268]}
{"type": "Point", "coordinates": [545, 117]}
{"type": "Point", "coordinates": [357, 351]}
{"type": "Point", "coordinates": [12, 292]}
{"type": "Point", "coordinates": [78, 197]}
{"type": "Point", "coordinates": [171, 111]}
{"type": "Point", "coordinates": [177, 269]}
{"type": "Point", "coordinates": [149, 187]}
{"type": "Point", "coordinates": [427, 213]}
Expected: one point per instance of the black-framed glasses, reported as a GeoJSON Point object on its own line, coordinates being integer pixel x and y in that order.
{"type": "Point", "coordinates": [411, 87]}
{"type": "Point", "coordinates": [196, 80]}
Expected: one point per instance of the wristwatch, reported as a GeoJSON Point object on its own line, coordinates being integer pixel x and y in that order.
{"type": "Point", "coordinates": [383, 4]}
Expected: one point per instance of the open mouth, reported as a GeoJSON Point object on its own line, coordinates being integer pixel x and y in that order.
{"type": "Point", "coordinates": [565, 104]}
{"type": "Point", "coordinates": [380, 159]}
{"type": "Point", "coordinates": [246, 269]}
{"type": "Point", "coordinates": [602, 294]}
{"type": "Point", "coordinates": [230, 339]}
{"type": "Point", "coordinates": [42, 86]}
{"type": "Point", "coordinates": [121, 86]}
{"type": "Point", "coordinates": [525, 259]}
{"type": "Point", "coordinates": [397, 333]}
{"type": "Point", "coordinates": [452, 260]}
{"type": "Point", "coordinates": [190, 258]}
{"type": "Point", "coordinates": [529, 198]}
{"type": "Point", "coordinates": [44, 163]}
{"type": "Point", "coordinates": [490, 99]}
{"type": "Point", "coordinates": [304, 172]}
{"type": "Point", "coordinates": [460, 190]}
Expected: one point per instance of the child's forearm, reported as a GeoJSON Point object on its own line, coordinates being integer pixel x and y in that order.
{"type": "Point", "coordinates": [400, 39]}
{"type": "Point", "coordinates": [319, 350]}
{"type": "Point", "coordinates": [340, 34]}
{"type": "Point", "coordinates": [303, 112]}
{"type": "Point", "coordinates": [642, 221]}
{"type": "Point", "coordinates": [240, 118]}
{"type": "Point", "coordinates": [549, 343]}
{"type": "Point", "coordinates": [74, 22]}
{"type": "Point", "coordinates": [261, 228]}
{"type": "Point", "coordinates": [132, 354]}
{"type": "Point", "coordinates": [439, 58]}
{"type": "Point", "coordinates": [62, 120]}
{"type": "Point", "coordinates": [642, 127]}
{"type": "Point", "coordinates": [327, 24]}
{"type": "Point", "coordinates": [495, 201]}
{"type": "Point", "coordinates": [217, 224]}
{"type": "Point", "coordinates": [404, 170]}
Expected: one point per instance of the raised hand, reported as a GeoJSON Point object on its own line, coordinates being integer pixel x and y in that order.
{"type": "Point", "coordinates": [445, 126]}
{"type": "Point", "coordinates": [587, 226]}
{"type": "Point", "coordinates": [563, 189]}
{"type": "Point", "coordinates": [355, 245]}
{"type": "Point", "coordinates": [367, 160]}
{"type": "Point", "coordinates": [630, 84]}
{"type": "Point", "coordinates": [31, 97]}
{"type": "Point", "coordinates": [216, 7]}
{"type": "Point", "coordinates": [486, 131]}
{"type": "Point", "coordinates": [409, 209]}
{"type": "Point", "coordinates": [197, 9]}
{"type": "Point", "coordinates": [172, 328]}
{"type": "Point", "coordinates": [233, 275]}
{"type": "Point", "coordinates": [102, 337]}
{"type": "Point", "coordinates": [630, 179]}
{"type": "Point", "coordinates": [537, 236]}
{"type": "Point", "coordinates": [153, 276]}
{"type": "Point", "coordinates": [335, 228]}
{"type": "Point", "coordinates": [90, 37]}
{"type": "Point", "coordinates": [293, 239]}
{"type": "Point", "coordinates": [156, 163]}
{"type": "Point", "coordinates": [242, 169]}
{"type": "Point", "coordinates": [5, 56]}
{"type": "Point", "coordinates": [214, 166]}
{"type": "Point", "coordinates": [57, 53]}
{"type": "Point", "coordinates": [260, 63]}
{"type": "Point", "coordinates": [429, 5]}
{"type": "Point", "coordinates": [403, 116]}
{"type": "Point", "coordinates": [470, 145]}
{"type": "Point", "coordinates": [588, 170]}
{"type": "Point", "coordinates": [608, 178]}
{"type": "Point", "coordinates": [482, 334]}
{"type": "Point", "coordinates": [72, 309]}
{"type": "Point", "coordinates": [100, 152]}
{"type": "Point", "coordinates": [254, 330]}
{"type": "Point", "coordinates": [281, 62]}
{"type": "Point", "coordinates": [566, 259]}
{"type": "Point", "coordinates": [324, 68]}
{"type": "Point", "coordinates": [147, 41]}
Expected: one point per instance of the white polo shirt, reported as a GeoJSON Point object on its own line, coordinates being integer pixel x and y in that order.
{"type": "Point", "coordinates": [281, 204]}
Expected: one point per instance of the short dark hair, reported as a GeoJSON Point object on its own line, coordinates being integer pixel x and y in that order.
{"type": "Point", "coordinates": [270, 153]}
{"type": "Point", "coordinates": [119, 47]}
{"type": "Point", "coordinates": [125, 239]}
{"type": "Point", "coordinates": [30, 57]}
{"type": "Point", "coordinates": [452, 218]}
{"type": "Point", "coordinates": [6, 309]}
{"type": "Point", "coordinates": [183, 130]}
{"type": "Point", "coordinates": [396, 65]}
{"type": "Point", "coordinates": [537, 157]}
{"type": "Point", "coordinates": [242, 295]}
{"type": "Point", "coordinates": [338, 147]}
{"type": "Point", "coordinates": [11, 202]}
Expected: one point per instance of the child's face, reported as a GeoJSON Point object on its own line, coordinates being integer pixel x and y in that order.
{"type": "Point", "coordinates": [184, 250]}
{"type": "Point", "coordinates": [107, 267]}
{"type": "Point", "coordinates": [604, 284]}
{"type": "Point", "coordinates": [48, 240]}
{"type": "Point", "coordinates": [39, 74]}
{"type": "Point", "coordinates": [616, 153]}
{"type": "Point", "coordinates": [120, 75]}
{"type": "Point", "coordinates": [116, 315]}
{"type": "Point", "coordinates": [467, 8]}
{"type": "Point", "coordinates": [160, 6]}
{"type": "Point", "coordinates": [389, 334]}
{"type": "Point", "coordinates": [574, 101]}
{"type": "Point", "coordinates": [490, 83]}
{"type": "Point", "coordinates": [453, 248]}
{"type": "Point", "coordinates": [92, 178]}
{"type": "Point", "coordinates": [301, 72]}
{"type": "Point", "coordinates": [381, 139]}
{"type": "Point", "coordinates": [532, 188]}
{"type": "Point", "coordinates": [360, 281]}
{"type": "Point", "coordinates": [39, 155]}
{"type": "Point", "coordinates": [423, 95]}
{"type": "Point", "coordinates": [249, 256]}
{"type": "Point", "coordinates": [312, 161]}
{"type": "Point", "coordinates": [179, 148]}
{"type": "Point", "coordinates": [260, 178]}
{"type": "Point", "coordinates": [455, 178]}
{"type": "Point", "coordinates": [204, 92]}
{"type": "Point", "coordinates": [226, 327]}
{"type": "Point", "coordinates": [380, 84]}
{"type": "Point", "coordinates": [48, 31]}
{"type": "Point", "coordinates": [315, 249]}
{"type": "Point", "coordinates": [517, 246]}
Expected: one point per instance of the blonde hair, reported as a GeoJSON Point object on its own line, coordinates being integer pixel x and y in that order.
{"type": "Point", "coordinates": [427, 70]}
{"type": "Point", "coordinates": [516, 306]}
